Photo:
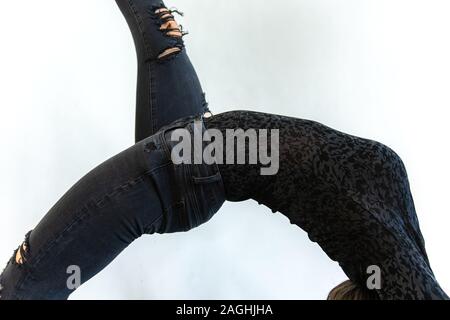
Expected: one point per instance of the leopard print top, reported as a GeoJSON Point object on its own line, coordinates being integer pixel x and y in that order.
{"type": "Point", "coordinates": [351, 195]}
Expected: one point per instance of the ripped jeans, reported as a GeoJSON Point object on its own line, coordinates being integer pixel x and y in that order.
{"type": "Point", "coordinates": [168, 87]}
{"type": "Point", "coordinates": [139, 191]}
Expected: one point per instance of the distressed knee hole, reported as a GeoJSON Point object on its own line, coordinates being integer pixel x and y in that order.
{"type": "Point", "coordinates": [20, 254]}
{"type": "Point", "coordinates": [173, 29]}
{"type": "Point", "coordinates": [169, 25]}
{"type": "Point", "coordinates": [164, 12]}
{"type": "Point", "coordinates": [207, 115]}
{"type": "Point", "coordinates": [169, 52]}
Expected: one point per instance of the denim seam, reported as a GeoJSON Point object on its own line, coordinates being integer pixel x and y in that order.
{"type": "Point", "coordinates": [191, 193]}
{"type": "Point", "coordinates": [84, 210]}
{"type": "Point", "coordinates": [139, 21]}
{"type": "Point", "coordinates": [151, 97]}
{"type": "Point", "coordinates": [167, 207]}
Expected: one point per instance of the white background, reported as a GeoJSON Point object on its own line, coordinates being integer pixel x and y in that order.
{"type": "Point", "coordinates": [378, 69]}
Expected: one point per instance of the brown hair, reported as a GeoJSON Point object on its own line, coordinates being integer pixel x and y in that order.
{"type": "Point", "coordinates": [348, 290]}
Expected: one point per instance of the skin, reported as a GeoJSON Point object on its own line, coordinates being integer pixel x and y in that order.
{"type": "Point", "coordinates": [175, 32]}
{"type": "Point", "coordinates": [19, 258]}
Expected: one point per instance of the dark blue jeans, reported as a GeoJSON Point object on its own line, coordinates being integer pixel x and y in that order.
{"type": "Point", "coordinates": [139, 191]}
{"type": "Point", "coordinates": [168, 88]}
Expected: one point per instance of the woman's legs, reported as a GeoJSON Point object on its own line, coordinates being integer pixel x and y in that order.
{"type": "Point", "coordinates": [87, 228]}
{"type": "Point", "coordinates": [121, 199]}
{"type": "Point", "coordinates": [168, 87]}
{"type": "Point", "coordinates": [351, 195]}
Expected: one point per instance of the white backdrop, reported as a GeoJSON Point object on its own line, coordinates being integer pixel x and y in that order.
{"type": "Point", "coordinates": [373, 68]}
